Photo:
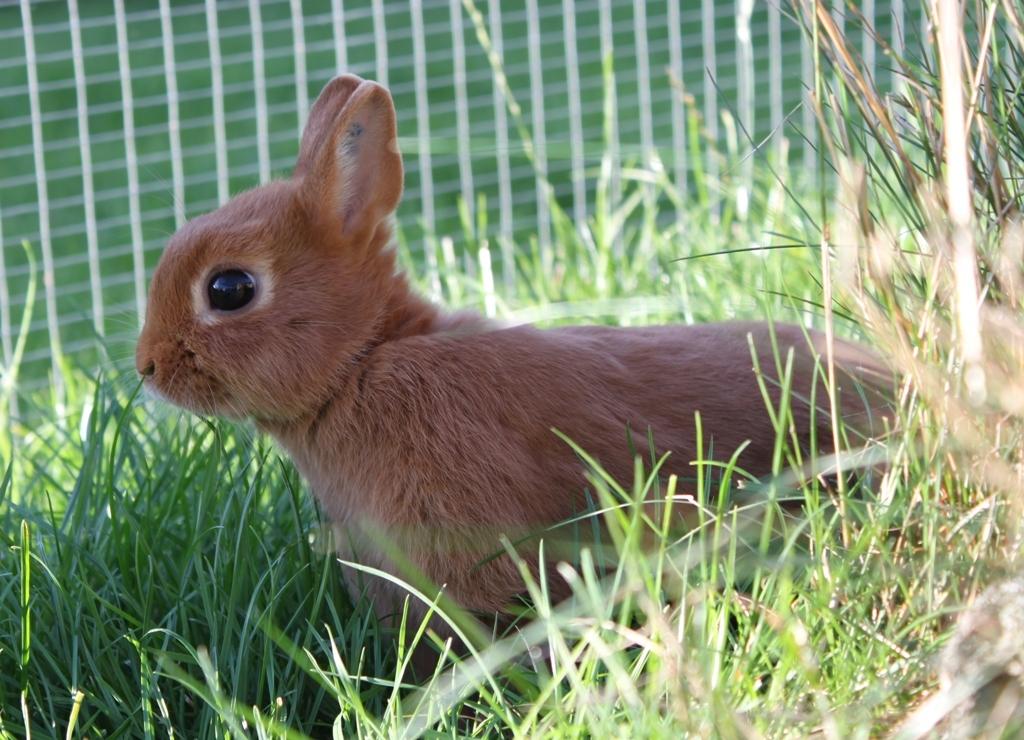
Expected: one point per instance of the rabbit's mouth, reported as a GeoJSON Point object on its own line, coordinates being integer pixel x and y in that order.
{"type": "Point", "coordinates": [174, 373]}
{"type": "Point", "coordinates": [196, 392]}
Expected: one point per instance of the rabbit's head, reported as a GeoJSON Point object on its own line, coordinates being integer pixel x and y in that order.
{"type": "Point", "coordinates": [256, 308]}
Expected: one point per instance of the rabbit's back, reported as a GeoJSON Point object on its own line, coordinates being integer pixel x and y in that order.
{"type": "Point", "coordinates": [462, 425]}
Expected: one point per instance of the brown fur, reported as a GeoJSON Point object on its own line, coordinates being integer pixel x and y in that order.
{"type": "Point", "coordinates": [430, 428]}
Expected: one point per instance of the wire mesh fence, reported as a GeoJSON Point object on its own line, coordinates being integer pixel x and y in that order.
{"type": "Point", "coordinates": [122, 119]}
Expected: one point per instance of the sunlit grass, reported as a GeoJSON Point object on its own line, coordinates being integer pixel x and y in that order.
{"type": "Point", "coordinates": [179, 579]}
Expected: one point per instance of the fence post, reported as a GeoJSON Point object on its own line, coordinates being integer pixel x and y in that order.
{"type": "Point", "coordinates": [775, 71]}
{"type": "Point", "coordinates": [745, 78]}
{"type": "Point", "coordinates": [340, 52]}
{"type": "Point", "coordinates": [643, 89]}
{"type": "Point", "coordinates": [380, 41]}
{"type": "Point", "coordinates": [675, 45]}
{"type": "Point", "coordinates": [537, 124]}
{"type": "Point", "coordinates": [710, 55]}
{"type": "Point", "coordinates": [807, 119]}
{"type": "Point", "coordinates": [464, 143]}
{"type": "Point", "coordinates": [299, 55]}
{"type": "Point", "coordinates": [42, 192]}
{"type": "Point", "coordinates": [612, 128]}
{"type": "Point", "coordinates": [423, 137]}
{"type": "Point", "coordinates": [502, 154]}
{"type": "Point", "coordinates": [259, 85]}
{"type": "Point", "coordinates": [85, 152]}
{"type": "Point", "coordinates": [217, 96]}
{"type": "Point", "coordinates": [173, 113]}
{"type": "Point", "coordinates": [867, 40]}
{"type": "Point", "coordinates": [898, 41]}
{"type": "Point", "coordinates": [576, 148]}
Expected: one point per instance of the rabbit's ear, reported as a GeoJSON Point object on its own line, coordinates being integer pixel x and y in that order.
{"type": "Point", "coordinates": [349, 163]}
{"type": "Point", "coordinates": [320, 124]}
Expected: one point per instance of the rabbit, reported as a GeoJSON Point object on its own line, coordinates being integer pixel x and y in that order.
{"type": "Point", "coordinates": [425, 435]}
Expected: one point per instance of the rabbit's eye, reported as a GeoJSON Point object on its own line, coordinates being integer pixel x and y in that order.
{"type": "Point", "coordinates": [231, 289]}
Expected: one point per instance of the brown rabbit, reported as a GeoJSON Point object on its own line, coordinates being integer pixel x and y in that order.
{"type": "Point", "coordinates": [430, 429]}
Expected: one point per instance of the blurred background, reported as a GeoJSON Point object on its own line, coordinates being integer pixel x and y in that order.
{"type": "Point", "coordinates": [123, 119]}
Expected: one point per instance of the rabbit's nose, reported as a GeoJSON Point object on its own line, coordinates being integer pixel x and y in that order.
{"type": "Point", "coordinates": [145, 367]}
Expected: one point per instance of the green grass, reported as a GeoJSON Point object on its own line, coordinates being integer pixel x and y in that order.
{"type": "Point", "coordinates": [164, 575]}
{"type": "Point", "coordinates": [177, 580]}
{"type": "Point", "coordinates": [174, 582]}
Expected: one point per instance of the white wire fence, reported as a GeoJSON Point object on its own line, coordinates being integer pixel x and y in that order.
{"type": "Point", "coordinates": [121, 119]}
